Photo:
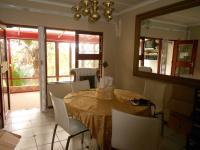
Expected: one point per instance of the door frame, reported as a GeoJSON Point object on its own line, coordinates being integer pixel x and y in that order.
{"type": "Point", "coordinates": [2, 104]}
{"type": "Point", "coordinates": [191, 63]}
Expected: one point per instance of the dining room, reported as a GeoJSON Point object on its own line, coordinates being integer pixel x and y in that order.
{"type": "Point", "coordinates": [112, 74]}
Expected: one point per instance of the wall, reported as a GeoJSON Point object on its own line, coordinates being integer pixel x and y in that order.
{"type": "Point", "coordinates": [24, 17]}
{"type": "Point", "coordinates": [166, 32]}
{"type": "Point", "coordinates": [125, 57]}
{"type": "Point", "coordinates": [195, 34]}
{"type": "Point", "coordinates": [125, 52]}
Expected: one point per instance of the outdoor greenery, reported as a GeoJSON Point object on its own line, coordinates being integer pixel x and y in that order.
{"type": "Point", "coordinates": [25, 61]}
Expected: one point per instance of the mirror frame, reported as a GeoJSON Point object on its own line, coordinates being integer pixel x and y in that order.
{"type": "Point", "coordinates": [153, 13]}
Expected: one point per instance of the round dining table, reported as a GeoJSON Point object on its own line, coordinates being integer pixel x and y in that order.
{"type": "Point", "coordinates": [96, 113]}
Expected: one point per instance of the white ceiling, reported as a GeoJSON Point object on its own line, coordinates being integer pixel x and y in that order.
{"type": "Point", "coordinates": [184, 18]}
{"type": "Point", "coordinates": [63, 7]}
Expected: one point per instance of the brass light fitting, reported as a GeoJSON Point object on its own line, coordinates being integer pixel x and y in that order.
{"type": "Point", "coordinates": [91, 8]}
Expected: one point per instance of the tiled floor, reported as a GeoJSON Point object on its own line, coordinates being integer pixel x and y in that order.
{"type": "Point", "coordinates": [25, 100]}
{"type": "Point", "coordinates": [36, 129]}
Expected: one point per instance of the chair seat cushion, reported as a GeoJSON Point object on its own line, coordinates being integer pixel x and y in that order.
{"type": "Point", "coordinates": [76, 126]}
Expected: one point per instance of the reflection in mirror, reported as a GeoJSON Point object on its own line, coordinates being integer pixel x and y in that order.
{"type": "Point", "coordinates": [170, 44]}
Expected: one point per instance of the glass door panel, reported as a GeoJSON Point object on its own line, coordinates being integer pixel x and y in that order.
{"type": "Point", "coordinates": [184, 56]}
{"type": "Point", "coordinates": [51, 62]}
{"type": "Point", "coordinates": [64, 59]}
{"type": "Point", "coordinates": [88, 63]}
{"type": "Point", "coordinates": [4, 84]}
{"type": "Point", "coordinates": [88, 49]}
{"type": "Point", "coordinates": [185, 52]}
{"type": "Point", "coordinates": [60, 54]}
{"type": "Point", "coordinates": [89, 44]}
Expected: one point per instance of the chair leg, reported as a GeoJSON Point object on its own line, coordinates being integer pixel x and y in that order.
{"type": "Point", "coordinates": [67, 145]}
{"type": "Point", "coordinates": [82, 140]}
{"type": "Point", "coordinates": [54, 133]}
{"type": "Point", "coordinates": [162, 125]}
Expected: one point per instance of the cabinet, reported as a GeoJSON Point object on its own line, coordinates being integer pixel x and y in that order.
{"type": "Point", "coordinates": [193, 140]}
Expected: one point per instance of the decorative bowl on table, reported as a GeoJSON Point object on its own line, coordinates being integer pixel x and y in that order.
{"type": "Point", "coordinates": [106, 93]}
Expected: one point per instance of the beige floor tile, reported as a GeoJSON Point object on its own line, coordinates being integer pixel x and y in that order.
{"type": "Point", "coordinates": [27, 142]}
{"type": "Point", "coordinates": [43, 130]}
{"type": "Point", "coordinates": [58, 128]}
{"type": "Point", "coordinates": [62, 135]}
{"type": "Point", "coordinates": [30, 148]}
{"type": "Point", "coordinates": [8, 127]}
{"type": "Point", "coordinates": [42, 139]}
{"type": "Point", "coordinates": [57, 146]}
{"type": "Point", "coordinates": [19, 126]}
{"type": "Point", "coordinates": [24, 132]}
{"type": "Point", "coordinates": [17, 120]}
{"type": "Point", "coordinates": [75, 143]}
{"type": "Point", "coordinates": [39, 123]}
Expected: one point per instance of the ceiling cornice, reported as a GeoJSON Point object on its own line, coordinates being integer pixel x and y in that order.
{"type": "Point", "coordinates": [168, 22]}
{"type": "Point", "coordinates": [136, 6]}
{"type": "Point", "coordinates": [42, 11]}
{"type": "Point", "coordinates": [30, 9]}
{"type": "Point", "coordinates": [18, 7]}
{"type": "Point", "coordinates": [52, 3]}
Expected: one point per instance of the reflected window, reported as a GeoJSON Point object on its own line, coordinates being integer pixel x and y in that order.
{"type": "Point", "coordinates": [150, 49]}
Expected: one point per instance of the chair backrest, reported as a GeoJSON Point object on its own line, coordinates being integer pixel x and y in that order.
{"type": "Point", "coordinates": [61, 115]}
{"type": "Point", "coordinates": [91, 74]}
{"type": "Point", "coordinates": [135, 132]}
{"type": "Point", "coordinates": [145, 69]}
{"type": "Point", "coordinates": [155, 91]}
{"type": "Point", "coordinates": [80, 85]}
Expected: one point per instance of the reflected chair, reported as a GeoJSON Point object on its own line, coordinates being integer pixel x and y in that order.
{"type": "Point", "coordinates": [80, 85]}
{"type": "Point", "coordinates": [72, 126]}
{"type": "Point", "coordinates": [131, 132]}
{"type": "Point", "coordinates": [145, 69]}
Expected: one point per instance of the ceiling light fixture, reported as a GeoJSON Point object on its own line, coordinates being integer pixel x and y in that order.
{"type": "Point", "coordinates": [90, 8]}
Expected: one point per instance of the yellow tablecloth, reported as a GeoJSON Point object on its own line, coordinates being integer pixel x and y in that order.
{"type": "Point", "coordinates": [95, 113]}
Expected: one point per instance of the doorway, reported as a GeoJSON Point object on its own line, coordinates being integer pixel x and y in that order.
{"type": "Point", "coordinates": [23, 60]}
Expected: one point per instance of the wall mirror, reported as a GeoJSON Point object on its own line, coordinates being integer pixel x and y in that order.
{"type": "Point", "coordinates": [167, 43]}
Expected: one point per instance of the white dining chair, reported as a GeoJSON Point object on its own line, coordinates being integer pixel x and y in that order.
{"type": "Point", "coordinates": [131, 132]}
{"type": "Point", "coordinates": [80, 85]}
{"type": "Point", "coordinates": [72, 126]}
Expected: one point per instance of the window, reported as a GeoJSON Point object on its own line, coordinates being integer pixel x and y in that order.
{"type": "Point", "coordinates": [71, 49]}
{"type": "Point", "coordinates": [150, 53]}
{"type": "Point", "coordinates": [89, 50]}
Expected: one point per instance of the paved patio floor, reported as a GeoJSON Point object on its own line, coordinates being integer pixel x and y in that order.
{"type": "Point", "coordinates": [25, 100]}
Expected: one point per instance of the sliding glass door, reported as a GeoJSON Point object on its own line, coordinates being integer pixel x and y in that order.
{"type": "Point", "coordinates": [71, 49]}
{"type": "Point", "coordinates": [4, 84]}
